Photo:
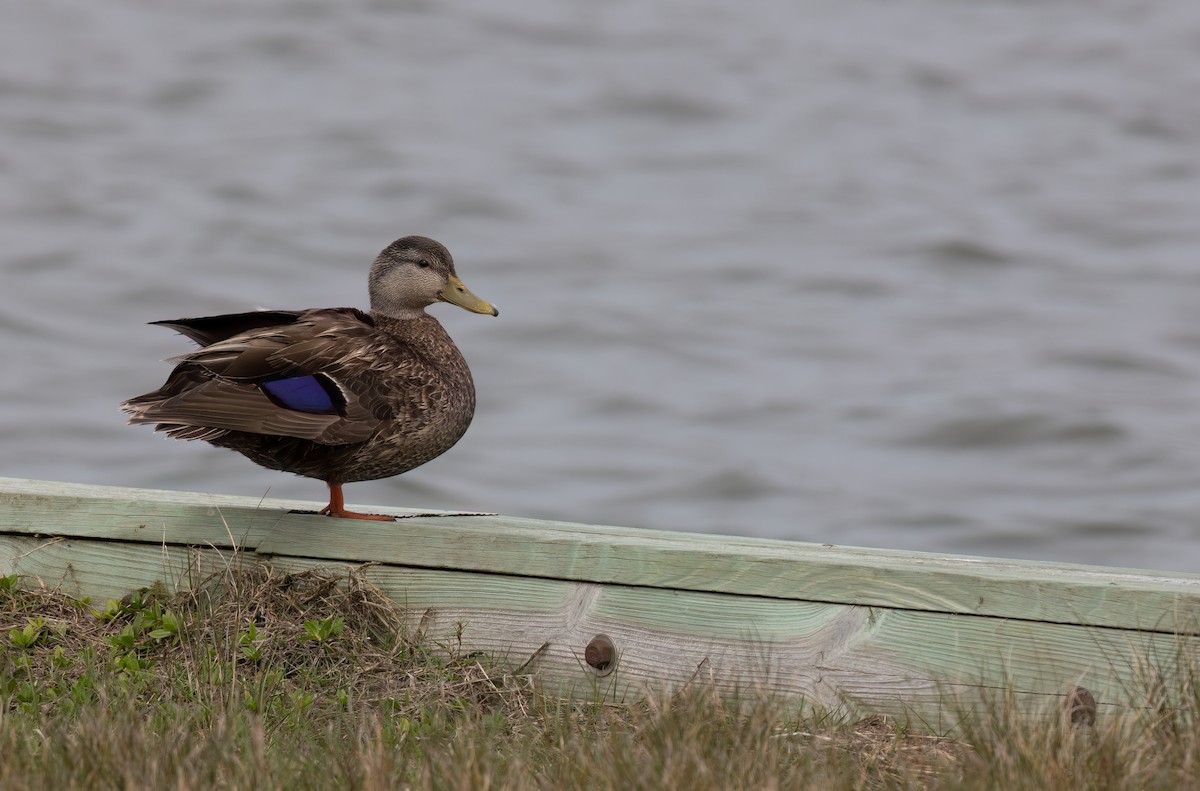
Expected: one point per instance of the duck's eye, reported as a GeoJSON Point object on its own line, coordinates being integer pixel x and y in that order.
{"type": "Point", "coordinates": [423, 263]}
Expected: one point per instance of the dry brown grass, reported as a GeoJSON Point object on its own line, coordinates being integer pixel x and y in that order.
{"type": "Point", "coordinates": [263, 679]}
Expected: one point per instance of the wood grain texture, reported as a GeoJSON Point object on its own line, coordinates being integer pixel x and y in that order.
{"type": "Point", "coordinates": [107, 569]}
{"type": "Point", "coordinates": [852, 659]}
{"type": "Point", "coordinates": [930, 668]}
{"type": "Point", "coordinates": [1027, 590]}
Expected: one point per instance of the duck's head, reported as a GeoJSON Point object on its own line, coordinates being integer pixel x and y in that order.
{"type": "Point", "coordinates": [413, 273]}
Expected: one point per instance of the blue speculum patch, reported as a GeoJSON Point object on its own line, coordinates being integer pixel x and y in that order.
{"type": "Point", "coordinates": [301, 393]}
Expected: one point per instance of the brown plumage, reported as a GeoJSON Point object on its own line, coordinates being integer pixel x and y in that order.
{"type": "Point", "coordinates": [334, 393]}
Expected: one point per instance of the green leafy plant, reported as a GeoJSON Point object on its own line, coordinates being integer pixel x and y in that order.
{"type": "Point", "coordinates": [27, 636]}
{"type": "Point", "coordinates": [324, 629]}
{"type": "Point", "coordinates": [166, 624]}
{"type": "Point", "coordinates": [250, 644]}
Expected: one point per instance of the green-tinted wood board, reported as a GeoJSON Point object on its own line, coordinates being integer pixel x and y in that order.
{"type": "Point", "coordinates": [850, 658]}
{"type": "Point", "coordinates": [1028, 590]}
{"type": "Point", "coordinates": [933, 666]}
{"type": "Point", "coordinates": [186, 518]}
{"type": "Point", "coordinates": [107, 569]}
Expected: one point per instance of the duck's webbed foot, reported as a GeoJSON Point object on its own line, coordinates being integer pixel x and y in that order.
{"type": "Point", "coordinates": [337, 507]}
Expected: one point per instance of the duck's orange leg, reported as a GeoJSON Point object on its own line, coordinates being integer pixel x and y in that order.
{"type": "Point", "coordinates": [337, 506]}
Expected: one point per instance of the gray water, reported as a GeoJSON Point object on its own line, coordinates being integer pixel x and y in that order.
{"type": "Point", "coordinates": [920, 275]}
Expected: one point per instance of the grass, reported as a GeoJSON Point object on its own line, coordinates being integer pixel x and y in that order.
{"type": "Point", "coordinates": [259, 679]}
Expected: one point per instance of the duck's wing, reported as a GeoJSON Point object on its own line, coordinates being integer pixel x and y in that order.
{"type": "Point", "coordinates": [211, 329]}
{"type": "Point", "coordinates": [314, 377]}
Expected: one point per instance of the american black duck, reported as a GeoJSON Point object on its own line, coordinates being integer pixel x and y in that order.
{"type": "Point", "coordinates": [329, 393]}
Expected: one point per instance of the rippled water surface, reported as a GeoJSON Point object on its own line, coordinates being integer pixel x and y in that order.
{"type": "Point", "coordinates": [918, 275]}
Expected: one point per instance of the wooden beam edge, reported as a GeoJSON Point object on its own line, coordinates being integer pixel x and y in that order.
{"type": "Point", "coordinates": [1087, 595]}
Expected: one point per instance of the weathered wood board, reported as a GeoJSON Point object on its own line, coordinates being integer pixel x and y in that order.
{"type": "Point", "coordinates": [907, 634]}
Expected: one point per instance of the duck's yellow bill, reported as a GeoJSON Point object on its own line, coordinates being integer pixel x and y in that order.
{"type": "Point", "coordinates": [457, 293]}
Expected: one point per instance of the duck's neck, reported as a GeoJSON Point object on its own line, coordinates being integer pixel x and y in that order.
{"type": "Point", "coordinates": [424, 335]}
{"type": "Point", "coordinates": [397, 313]}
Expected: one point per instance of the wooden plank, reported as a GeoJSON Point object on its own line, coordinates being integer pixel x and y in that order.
{"type": "Point", "coordinates": [788, 570]}
{"type": "Point", "coordinates": [151, 515]}
{"type": "Point", "coordinates": [850, 659]}
{"type": "Point", "coordinates": [1027, 590]}
{"type": "Point", "coordinates": [107, 569]}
